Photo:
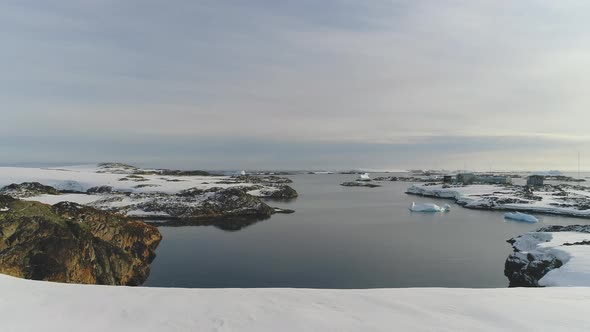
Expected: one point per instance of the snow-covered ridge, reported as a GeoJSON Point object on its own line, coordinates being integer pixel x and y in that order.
{"type": "Point", "coordinates": [146, 193]}
{"type": "Point", "coordinates": [552, 256]}
{"type": "Point", "coordinates": [42, 306]}
{"type": "Point", "coordinates": [552, 199]}
{"type": "Point", "coordinates": [82, 178]}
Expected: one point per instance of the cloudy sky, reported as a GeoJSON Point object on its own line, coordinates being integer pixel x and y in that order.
{"type": "Point", "coordinates": [296, 84]}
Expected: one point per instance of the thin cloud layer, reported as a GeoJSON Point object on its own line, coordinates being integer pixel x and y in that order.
{"type": "Point", "coordinates": [391, 76]}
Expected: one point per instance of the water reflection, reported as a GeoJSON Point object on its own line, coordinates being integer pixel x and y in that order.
{"type": "Point", "coordinates": [343, 237]}
{"type": "Point", "coordinates": [225, 224]}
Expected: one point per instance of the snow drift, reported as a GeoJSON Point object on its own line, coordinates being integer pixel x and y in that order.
{"type": "Point", "coordinates": [42, 306]}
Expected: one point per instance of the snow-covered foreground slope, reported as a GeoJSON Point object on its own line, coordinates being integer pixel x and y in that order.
{"type": "Point", "coordinates": [560, 199]}
{"type": "Point", "coordinates": [41, 306]}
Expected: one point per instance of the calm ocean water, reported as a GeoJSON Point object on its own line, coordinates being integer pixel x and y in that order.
{"type": "Point", "coordinates": [343, 237]}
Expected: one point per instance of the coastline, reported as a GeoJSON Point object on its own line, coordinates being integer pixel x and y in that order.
{"type": "Point", "coordinates": [509, 198]}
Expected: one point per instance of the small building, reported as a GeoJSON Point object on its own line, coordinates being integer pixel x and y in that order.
{"type": "Point", "coordinates": [535, 181]}
{"type": "Point", "coordinates": [494, 179]}
{"type": "Point", "coordinates": [466, 178]}
{"type": "Point", "coordinates": [448, 179]}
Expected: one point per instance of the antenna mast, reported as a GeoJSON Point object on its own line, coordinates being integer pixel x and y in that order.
{"type": "Point", "coordinates": [578, 165]}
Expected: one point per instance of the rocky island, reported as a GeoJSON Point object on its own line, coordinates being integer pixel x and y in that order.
{"type": "Point", "coordinates": [151, 194]}
{"type": "Point", "coordinates": [359, 184]}
{"type": "Point", "coordinates": [80, 224]}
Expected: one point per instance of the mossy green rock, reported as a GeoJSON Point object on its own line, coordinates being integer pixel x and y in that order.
{"type": "Point", "coordinates": [72, 243]}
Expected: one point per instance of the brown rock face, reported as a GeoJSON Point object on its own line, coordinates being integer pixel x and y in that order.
{"type": "Point", "coordinates": [72, 243]}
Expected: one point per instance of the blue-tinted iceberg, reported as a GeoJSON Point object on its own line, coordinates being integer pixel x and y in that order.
{"type": "Point", "coordinates": [519, 216]}
{"type": "Point", "coordinates": [429, 207]}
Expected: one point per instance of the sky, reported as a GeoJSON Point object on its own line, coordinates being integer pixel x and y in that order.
{"type": "Point", "coordinates": [333, 84]}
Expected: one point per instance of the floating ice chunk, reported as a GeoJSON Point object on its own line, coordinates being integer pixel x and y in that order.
{"type": "Point", "coordinates": [364, 177]}
{"type": "Point", "coordinates": [429, 207]}
{"type": "Point", "coordinates": [519, 216]}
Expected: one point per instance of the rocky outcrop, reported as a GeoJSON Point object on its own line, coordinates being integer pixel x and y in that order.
{"type": "Point", "coordinates": [275, 191]}
{"type": "Point", "coordinates": [205, 204]}
{"type": "Point", "coordinates": [569, 228]}
{"type": "Point", "coordinates": [528, 265]}
{"type": "Point", "coordinates": [359, 184]}
{"type": "Point", "coordinates": [117, 168]}
{"type": "Point", "coordinates": [526, 269]}
{"type": "Point", "coordinates": [283, 193]}
{"type": "Point", "coordinates": [562, 178]}
{"type": "Point", "coordinates": [72, 243]}
{"type": "Point", "coordinates": [270, 179]}
{"type": "Point", "coordinates": [28, 189]}
{"type": "Point", "coordinates": [408, 179]}
{"type": "Point", "coordinates": [120, 168]}
{"type": "Point", "coordinates": [100, 190]}
{"type": "Point", "coordinates": [172, 172]}
{"type": "Point", "coordinates": [187, 204]}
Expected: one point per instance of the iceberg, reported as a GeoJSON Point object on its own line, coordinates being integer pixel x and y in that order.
{"type": "Point", "coordinates": [364, 177]}
{"type": "Point", "coordinates": [519, 216]}
{"type": "Point", "coordinates": [429, 207]}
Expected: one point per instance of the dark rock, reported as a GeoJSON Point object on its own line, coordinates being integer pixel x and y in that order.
{"type": "Point", "coordinates": [100, 190]}
{"type": "Point", "coordinates": [562, 178]}
{"type": "Point", "coordinates": [284, 193]}
{"type": "Point", "coordinates": [386, 178]}
{"type": "Point", "coordinates": [580, 243]}
{"type": "Point", "coordinates": [72, 243]}
{"type": "Point", "coordinates": [227, 182]}
{"type": "Point", "coordinates": [359, 184]}
{"type": "Point", "coordinates": [219, 203]}
{"type": "Point", "coordinates": [28, 189]}
{"type": "Point", "coordinates": [170, 172]}
{"type": "Point", "coordinates": [271, 179]}
{"type": "Point", "coordinates": [568, 228]}
{"type": "Point", "coordinates": [192, 192]}
{"type": "Point", "coordinates": [146, 185]}
{"type": "Point", "coordinates": [526, 269]}
{"type": "Point", "coordinates": [133, 177]}
{"type": "Point", "coordinates": [118, 168]}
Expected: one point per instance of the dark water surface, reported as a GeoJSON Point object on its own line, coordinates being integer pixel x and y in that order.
{"type": "Point", "coordinates": [342, 237]}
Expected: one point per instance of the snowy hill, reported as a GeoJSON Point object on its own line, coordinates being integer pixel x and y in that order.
{"type": "Point", "coordinates": [147, 193]}
{"type": "Point", "coordinates": [42, 306]}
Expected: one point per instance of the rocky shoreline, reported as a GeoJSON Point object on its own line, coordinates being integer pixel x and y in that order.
{"type": "Point", "coordinates": [149, 194]}
{"type": "Point", "coordinates": [71, 243]}
{"type": "Point", "coordinates": [539, 256]}
{"type": "Point", "coordinates": [80, 225]}
{"type": "Point", "coordinates": [561, 199]}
